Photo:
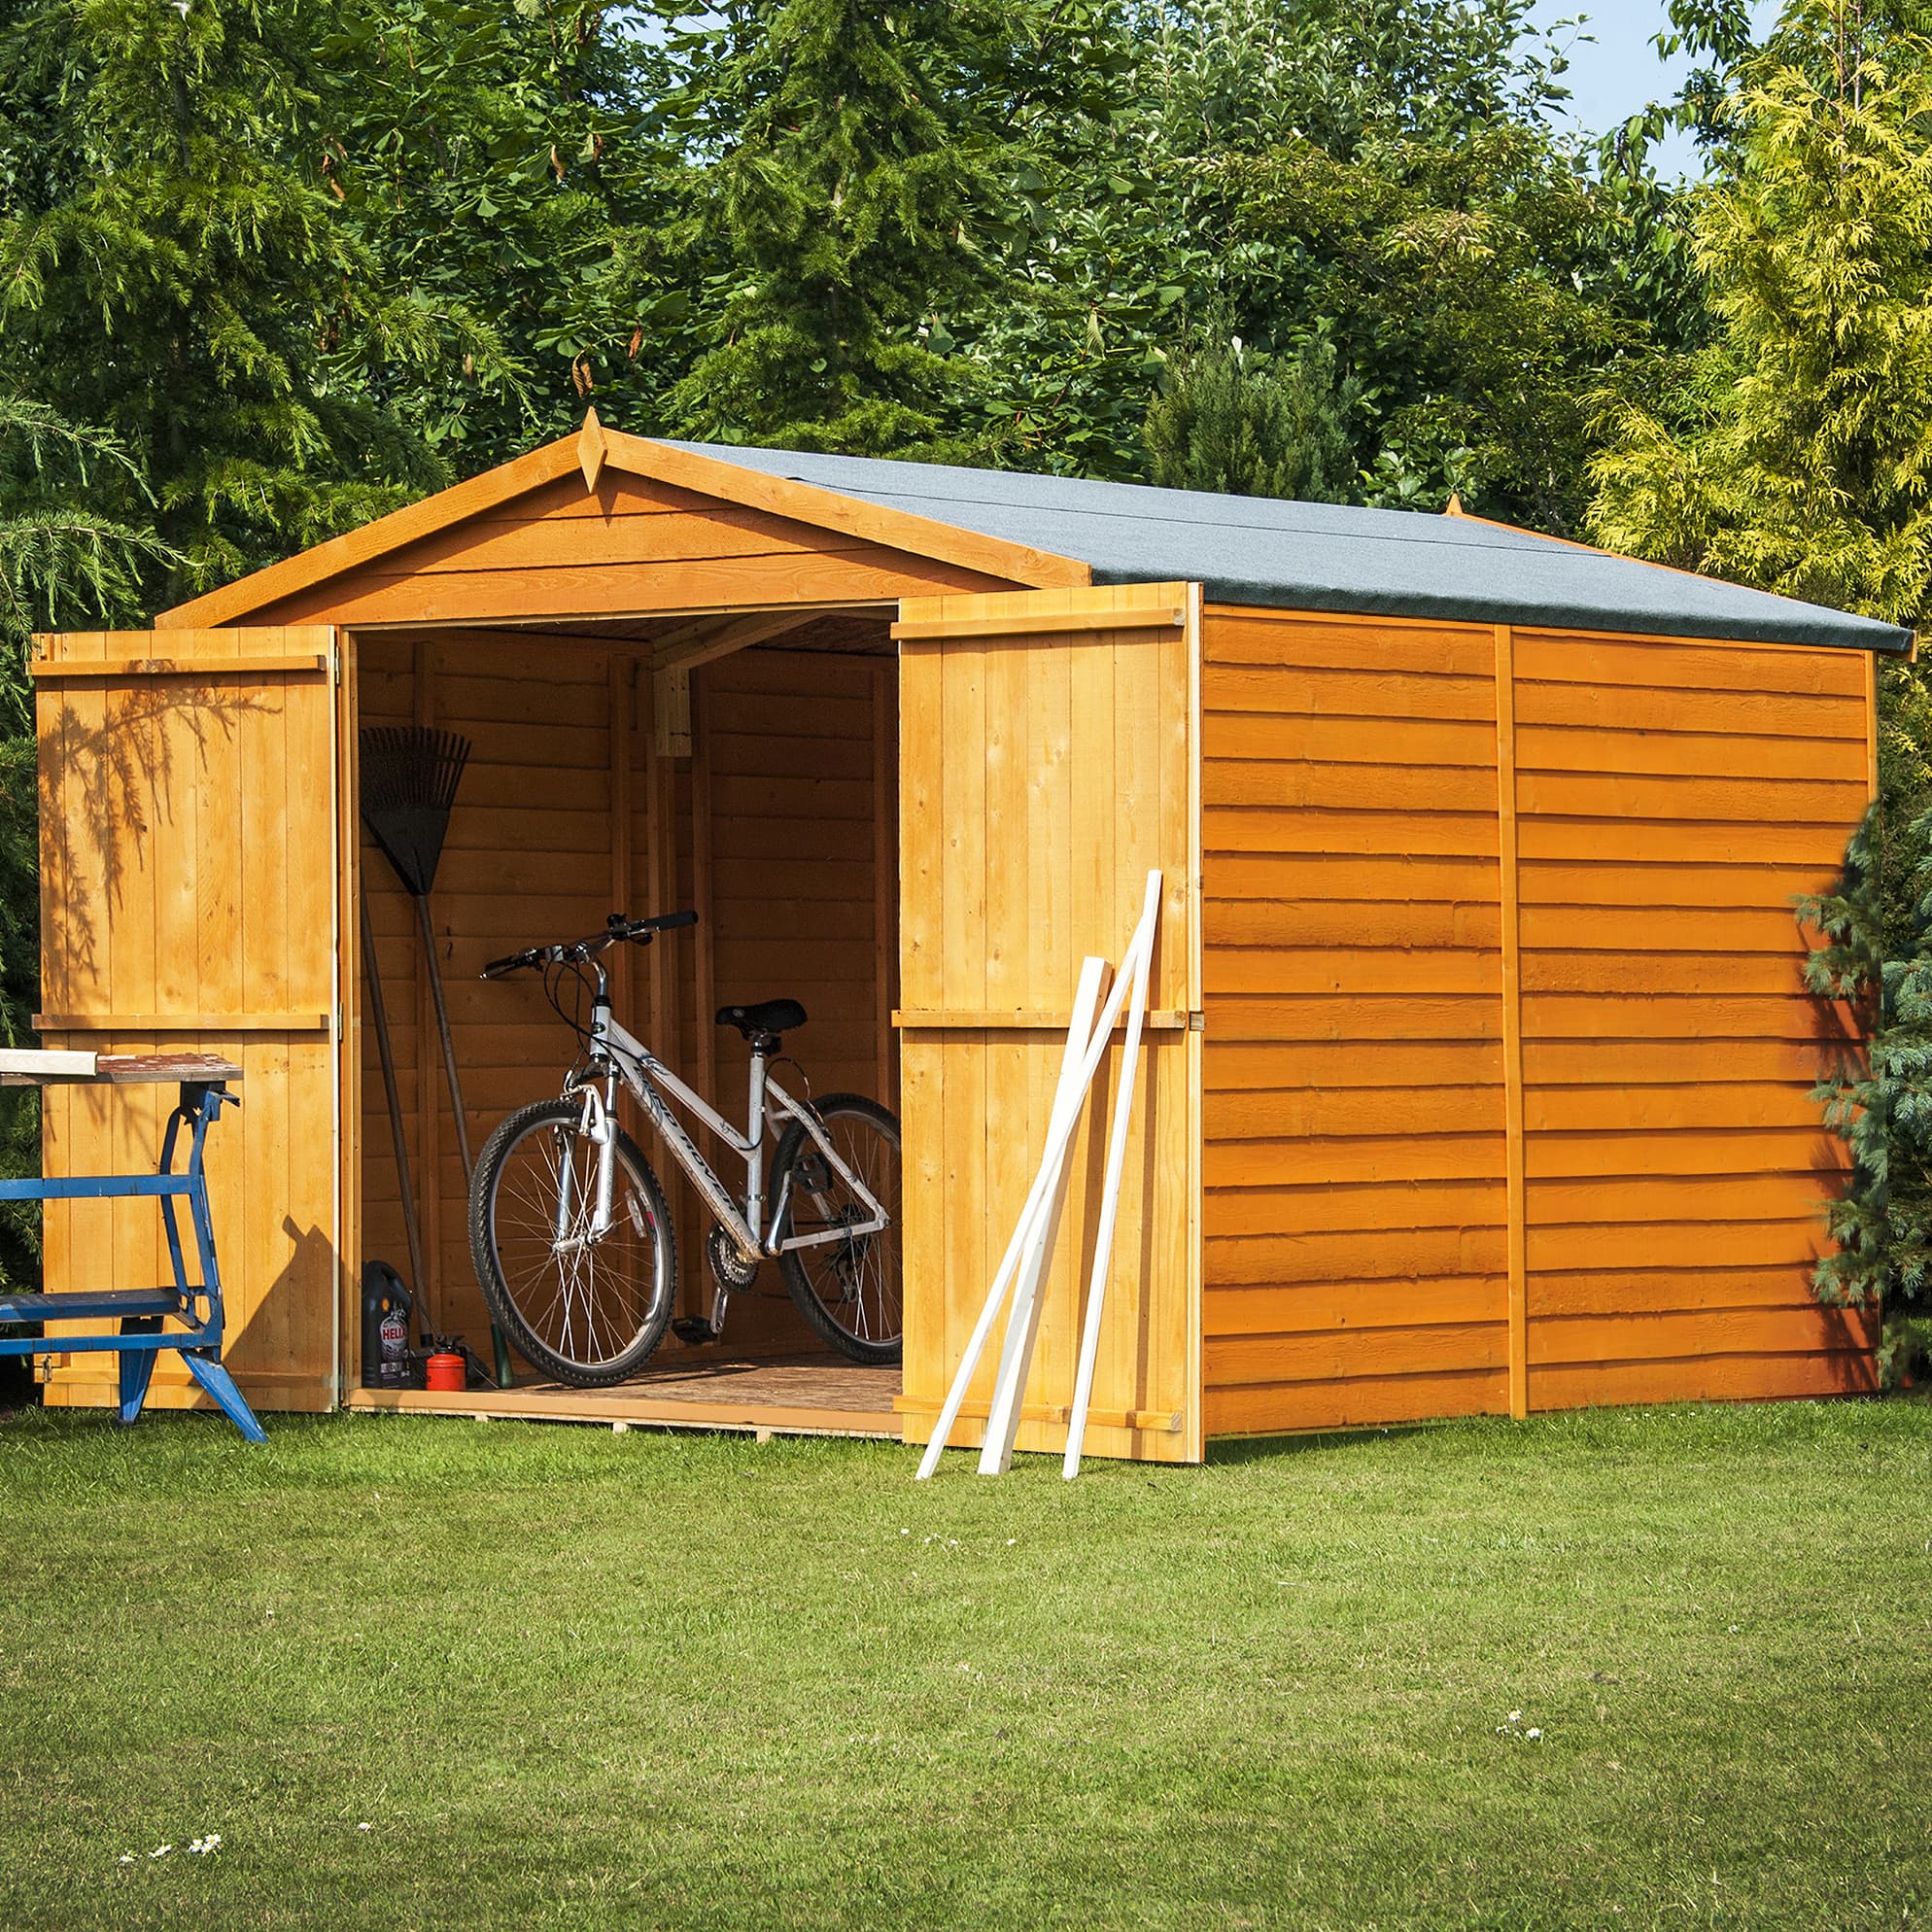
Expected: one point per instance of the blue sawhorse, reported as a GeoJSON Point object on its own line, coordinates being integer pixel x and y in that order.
{"type": "Point", "coordinates": [142, 1313]}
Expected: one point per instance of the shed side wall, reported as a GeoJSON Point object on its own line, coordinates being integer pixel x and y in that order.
{"type": "Point", "coordinates": [1355, 1264]}
{"type": "Point", "coordinates": [1671, 798]}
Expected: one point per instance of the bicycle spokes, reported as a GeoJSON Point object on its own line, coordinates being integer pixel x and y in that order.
{"type": "Point", "coordinates": [586, 1295]}
{"type": "Point", "coordinates": [854, 1279]}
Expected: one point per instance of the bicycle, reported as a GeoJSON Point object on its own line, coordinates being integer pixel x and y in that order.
{"type": "Point", "coordinates": [568, 1225]}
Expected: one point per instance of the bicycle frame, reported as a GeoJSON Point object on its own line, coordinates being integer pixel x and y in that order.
{"type": "Point", "coordinates": [617, 1053]}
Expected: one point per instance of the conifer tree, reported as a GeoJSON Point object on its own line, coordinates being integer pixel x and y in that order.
{"type": "Point", "coordinates": [173, 271]}
{"type": "Point", "coordinates": [855, 156]}
{"type": "Point", "coordinates": [1229, 423]}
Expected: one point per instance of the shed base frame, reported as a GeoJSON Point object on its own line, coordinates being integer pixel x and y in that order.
{"type": "Point", "coordinates": [797, 1395]}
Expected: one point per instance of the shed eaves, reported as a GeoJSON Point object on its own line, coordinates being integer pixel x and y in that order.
{"type": "Point", "coordinates": [1296, 556]}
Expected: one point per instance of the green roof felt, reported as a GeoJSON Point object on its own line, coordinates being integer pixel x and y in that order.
{"type": "Point", "coordinates": [1258, 550]}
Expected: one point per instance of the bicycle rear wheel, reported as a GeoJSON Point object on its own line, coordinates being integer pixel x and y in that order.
{"type": "Point", "coordinates": [850, 1288]}
{"type": "Point", "coordinates": [587, 1309]}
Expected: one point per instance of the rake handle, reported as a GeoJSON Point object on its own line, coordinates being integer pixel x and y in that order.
{"type": "Point", "coordinates": [449, 1045]}
{"type": "Point", "coordinates": [411, 1227]}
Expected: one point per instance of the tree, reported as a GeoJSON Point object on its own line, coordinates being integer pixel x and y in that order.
{"type": "Point", "coordinates": [1385, 175]}
{"type": "Point", "coordinates": [495, 164]}
{"type": "Point", "coordinates": [62, 564]}
{"type": "Point", "coordinates": [1460, 275]}
{"type": "Point", "coordinates": [852, 156]}
{"type": "Point", "coordinates": [61, 561]}
{"type": "Point", "coordinates": [173, 271]}
{"type": "Point", "coordinates": [1795, 453]}
{"type": "Point", "coordinates": [1231, 423]}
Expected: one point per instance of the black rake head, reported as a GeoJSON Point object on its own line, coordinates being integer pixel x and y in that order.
{"type": "Point", "coordinates": [410, 776]}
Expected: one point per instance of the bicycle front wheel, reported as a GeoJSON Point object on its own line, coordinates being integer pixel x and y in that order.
{"type": "Point", "coordinates": [848, 1287]}
{"type": "Point", "coordinates": [584, 1307]}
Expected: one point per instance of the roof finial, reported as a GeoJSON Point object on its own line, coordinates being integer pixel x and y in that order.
{"type": "Point", "coordinates": [1454, 508]}
{"type": "Point", "coordinates": [590, 449]}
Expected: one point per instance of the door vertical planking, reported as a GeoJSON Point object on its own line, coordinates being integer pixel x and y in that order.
{"type": "Point", "coordinates": [190, 833]}
{"type": "Point", "coordinates": [1048, 746]}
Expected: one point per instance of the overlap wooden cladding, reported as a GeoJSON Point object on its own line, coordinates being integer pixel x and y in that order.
{"type": "Point", "coordinates": [1478, 1068]}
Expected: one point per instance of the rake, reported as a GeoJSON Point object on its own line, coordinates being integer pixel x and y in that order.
{"type": "Point", "coordinates": [410, 774]}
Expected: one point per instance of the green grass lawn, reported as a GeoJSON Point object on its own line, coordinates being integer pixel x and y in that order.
{"type": "Point", "coordinates": [423, 1673]}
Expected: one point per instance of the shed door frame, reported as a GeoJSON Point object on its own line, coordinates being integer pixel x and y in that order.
{"type": "Point", "coordinates": [204, 904]}
{"type": "Point", "coordinates": [1002, 697]}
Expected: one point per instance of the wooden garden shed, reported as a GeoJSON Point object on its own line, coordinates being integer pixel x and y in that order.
{"type": "Point", "coordinates": [1478, 1057]}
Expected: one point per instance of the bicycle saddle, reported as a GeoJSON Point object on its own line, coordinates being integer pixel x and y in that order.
{"type": "Point", "coordinates": [767, 1019]}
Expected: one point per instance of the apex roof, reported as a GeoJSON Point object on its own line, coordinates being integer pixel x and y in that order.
{"type": "Point", "coordinates": [1037, 531]}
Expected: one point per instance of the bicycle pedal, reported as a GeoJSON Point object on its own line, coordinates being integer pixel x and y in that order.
{"type": "Point", "coordinates": [693, 1329]}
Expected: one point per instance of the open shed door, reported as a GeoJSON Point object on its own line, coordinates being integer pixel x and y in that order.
{"type": "Point", "coordinates": [1048, 761]}
{"type": "Point", "coordinates": [190, 813]}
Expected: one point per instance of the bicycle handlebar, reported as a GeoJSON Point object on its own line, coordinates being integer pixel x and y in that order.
{"type": "Point", "coordinates": [616, 927]}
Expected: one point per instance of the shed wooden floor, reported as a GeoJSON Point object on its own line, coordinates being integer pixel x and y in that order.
{"type": "Point", "coordinates": [795, 1396]}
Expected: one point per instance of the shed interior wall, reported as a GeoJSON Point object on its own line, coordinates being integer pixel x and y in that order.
{"type": "Point", "coordinates": [776, 829]}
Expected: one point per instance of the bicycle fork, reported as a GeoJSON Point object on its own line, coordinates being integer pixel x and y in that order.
{"type": "Point", "coordinates": [596, 1125]}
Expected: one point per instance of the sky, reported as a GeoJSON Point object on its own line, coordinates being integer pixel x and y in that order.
{"type": "Point", "coordinates": [1617, 71]}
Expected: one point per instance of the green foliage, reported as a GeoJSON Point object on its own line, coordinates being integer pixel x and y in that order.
{"type": "Point", "coordinates": [853, 158]}
{"type": "Point", "coordinates": [1796, 452]}
{"type": "Point", "coordinates": [1878, 1097]}
{"type": "Point", "coordinates": [62, 562]}
{"type": "Point", "coordinates": [1385, 178]}
{"type": "Point", "coordinates": [19, 985]}
{"type": "Point", "coordinates": [173, 271]}
{"type": "Point", "coordinates": [1459, 273]}
{"type": "Point", "coordinates": [1228, 422]}
{"type": "Point", "coordinates": [490, 161]}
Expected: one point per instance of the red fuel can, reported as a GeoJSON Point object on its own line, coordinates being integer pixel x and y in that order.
{"type": "Point", "coordinates": [446, 1375]}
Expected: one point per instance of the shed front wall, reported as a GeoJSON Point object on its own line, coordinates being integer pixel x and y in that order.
{"type": "Point", "coordinates": [628, 545]}
{"type": "Point", "coordinates": [1506, 1070]}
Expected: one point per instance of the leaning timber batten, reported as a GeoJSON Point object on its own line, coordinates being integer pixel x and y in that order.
{"type": "Point", "coordinates": [1476, 1059]}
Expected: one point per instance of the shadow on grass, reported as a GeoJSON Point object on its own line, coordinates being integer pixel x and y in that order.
{"type": "Point", "coordinates": [1268, 1448]}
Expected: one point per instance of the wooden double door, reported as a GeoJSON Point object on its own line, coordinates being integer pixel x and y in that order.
{"type": "Point", "coordinates": [1048, 761]}
{"type": "Point", "coordinates": [191, 787]}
